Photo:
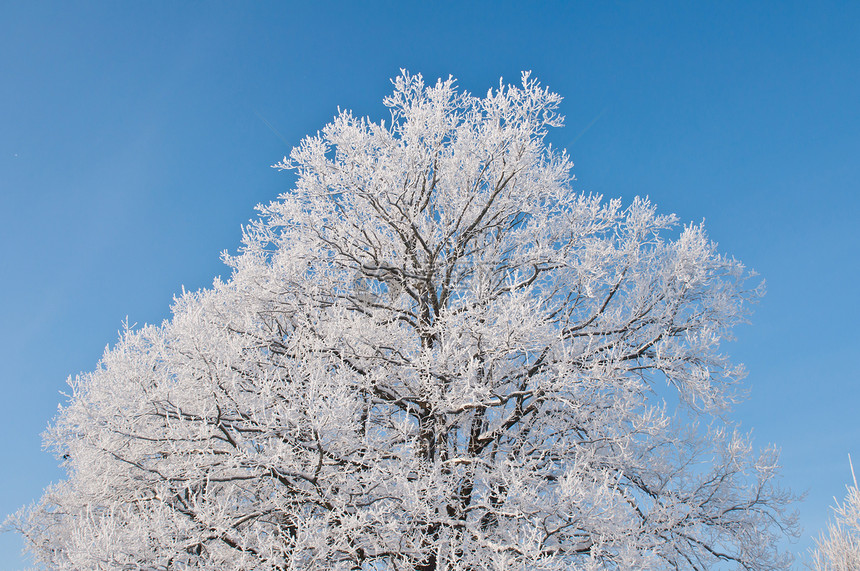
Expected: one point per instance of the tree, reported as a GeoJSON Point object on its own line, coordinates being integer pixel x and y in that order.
{"type": "Point", "coordinates": [431, 354]}
{"type": "Point", "coordinates": [839, 549]}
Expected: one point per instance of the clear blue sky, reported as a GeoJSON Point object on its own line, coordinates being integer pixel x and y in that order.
{"type": "Point", "coordinates": [136, 137]}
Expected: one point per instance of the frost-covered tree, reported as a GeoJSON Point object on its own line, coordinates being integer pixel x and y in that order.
{"type": "Point", "coordinates": [839, 548]}
{"type": "Point", "coordinates": [431, 354]}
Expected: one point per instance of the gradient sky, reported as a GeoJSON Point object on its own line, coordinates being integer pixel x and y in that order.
{"type": "Point", "coordinates": [136, 137]}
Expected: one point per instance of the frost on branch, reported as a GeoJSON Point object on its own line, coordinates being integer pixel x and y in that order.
{"type": "Point", "coordinates": [431, 354]}
{"type": "Point", "coordinates": [839, 549]}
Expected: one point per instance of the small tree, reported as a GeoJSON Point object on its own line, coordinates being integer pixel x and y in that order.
{"type": "Point", "coordinates": [431, 354]}
{"type": "Point", "coordinates": [839, 549]}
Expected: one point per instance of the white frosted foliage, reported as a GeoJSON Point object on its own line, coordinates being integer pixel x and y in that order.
{"type": "Point", "coordinates": [432, 354]}
{"type": "Point", "coordinates": [839, 548]}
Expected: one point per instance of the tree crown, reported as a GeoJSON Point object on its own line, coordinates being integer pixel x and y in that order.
{"type": "Point", "coordinates": [431, 354]}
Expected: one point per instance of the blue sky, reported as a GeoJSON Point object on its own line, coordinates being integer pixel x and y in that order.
{"type": "Point", "coordinates": [135, 139]}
